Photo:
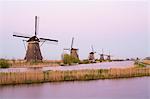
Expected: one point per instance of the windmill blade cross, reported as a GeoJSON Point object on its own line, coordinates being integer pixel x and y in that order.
{"type": "Point", "coordinates": [72, 42]}
{"type": "Point", "coordinates": [20, 36]}
{"type": "Point", "coordinates": [66, 49]}
{"type": "Point", "coordinates": [48, 42]}
{"type": "Point", "coordinates": [48, 39]}
{"type": "Point", "coordinates": [107, 55]}
{"type": "Point", "coordinates": [92, 48]}
{"type": "Point", "coordinates": [102, 51]}
{"type": "Point", "coordinates": [36, 25]}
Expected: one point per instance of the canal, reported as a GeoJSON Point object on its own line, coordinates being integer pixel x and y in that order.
{"type": "Point", "coordinates": [129, 88]}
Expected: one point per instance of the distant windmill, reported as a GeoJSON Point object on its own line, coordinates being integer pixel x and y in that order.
{"type": "Point", "coordinates": [108, 57]}
{"type": "Point", "coordinates": [33, 52]}
{"type": "Point", "coordinates": [73, 51]}
{"type": "Point", "coordinates": [91, 55]}
{"type": "Point", "coordinates": [102, 56]}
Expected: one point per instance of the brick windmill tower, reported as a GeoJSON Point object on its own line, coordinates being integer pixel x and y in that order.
{"type": "Point", "coordinates": [102, 56]}
{"type": "Point", "coordinates": [109, 57]}
{"type": "Point", "coordinates": [73, 51]}
{"type": "Point", "coordinates": [91, 55]}
{"type": "Point", "coordinates": [33, 52]}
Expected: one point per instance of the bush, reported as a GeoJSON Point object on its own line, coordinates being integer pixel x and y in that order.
{"type": "Point", "coordinates": [4, 63]}
{"type": "Point", "coordinates": [85, 61]}
{"type": "Point", "coordinates": [35, 62]}
{"type": "Point", "coordinates": [139, 64]}
{"type": "Point", "coordinates": [68, 59]}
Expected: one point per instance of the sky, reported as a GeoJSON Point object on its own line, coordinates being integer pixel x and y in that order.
{"type": "Point", "coordinates": [121, 27]}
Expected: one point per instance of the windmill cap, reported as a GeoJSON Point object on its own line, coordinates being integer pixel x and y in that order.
{"type": "Point", "coordinates": [91, 52]}
{"type": "Point", "coordinates": [74, 49]}
{"type": "Point", "coordinates": [34, 38]}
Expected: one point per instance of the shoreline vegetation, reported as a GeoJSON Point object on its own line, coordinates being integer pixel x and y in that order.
{"type": "Point", "coordinates": [139, 69]}
{"type": "Point", "coordinates": [74, 75]}
{"type": "Point", "coordinates": [5, 63]}
{"type": "Point", "coordinates": [67, 60]}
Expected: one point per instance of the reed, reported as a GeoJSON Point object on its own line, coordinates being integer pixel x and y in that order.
{"type": "Point", "coordinates": [75, 75]}
{"type": "Point", "coordinates": [143, 63]}
{"type": "Point", "coordinates": [22, 63]}
{"type": "Point", "coordinates": [147, 62]}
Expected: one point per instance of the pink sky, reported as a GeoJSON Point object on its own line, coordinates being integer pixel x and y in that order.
{"type": "Point", "coordinates": [118, 26]}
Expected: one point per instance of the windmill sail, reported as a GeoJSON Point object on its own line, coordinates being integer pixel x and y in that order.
{"type": "Point", "coordinates": [35, 25]}
{"type": "Point", "coordinates": [16, 34]}
{"type": "Point", "coordinates": [20, 36]}
{"type": "Point", "coordinates": [72, 42]}
{"type": "Point", "coordinates": [45, 39]}
{"type": "Point", "coordinates": [92, 48]}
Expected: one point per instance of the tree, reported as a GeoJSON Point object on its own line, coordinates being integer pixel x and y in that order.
{"type": "Point", "coordinates": [68, 59]}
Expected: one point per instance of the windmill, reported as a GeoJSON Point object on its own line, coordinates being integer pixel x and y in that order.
{"type": "Point", "coordinates": [73, 51]}
{"type": "Point", "coordinates": [91, 55]}
{"type": "Point", "coordinates": [33, 52]}
{"type": "Point", "coordinates": [102, 56]}
{"type": "Point", "coordinates": [108, 57]}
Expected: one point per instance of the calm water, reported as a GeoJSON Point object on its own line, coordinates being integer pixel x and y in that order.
{"type": "Point", "coordinates": [131, 88]}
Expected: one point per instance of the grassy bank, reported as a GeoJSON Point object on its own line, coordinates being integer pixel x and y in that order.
{"type": "Point", "coordinates": [75, 75]}
{"type": "Point", "coordinates": [147, 62]}
{"type": "Point", "coordinates": [143, 63]}
{"type": "Point", "coordinates": [22, 63]}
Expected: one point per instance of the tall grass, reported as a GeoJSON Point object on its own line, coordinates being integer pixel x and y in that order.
{"type": "Point", "coordinates": [147, 62]}
{"type": "Point", "coordinates": [55, 76]}
{"type": "Point", "coordinates": [23, 63]}
{"type": "Point", "coordinates": [142, 63]}
{"type": "Point", "coordinates": [139, 64]}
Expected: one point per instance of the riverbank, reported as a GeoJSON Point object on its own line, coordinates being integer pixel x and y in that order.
{"type": "Point", "coordinates": [73, 75]}
{"type": "Point", "coordinates": [146, 62]}
{"type": "Point", "coordinates": [24, 64]}
{"type": "Point", "coordinates": [6, 63]}
{"type": "Point", "coordinates": [103, 65]}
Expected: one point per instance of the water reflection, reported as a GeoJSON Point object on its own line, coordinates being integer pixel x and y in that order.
{"type": "Point", "coordinates": [132, 88]}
